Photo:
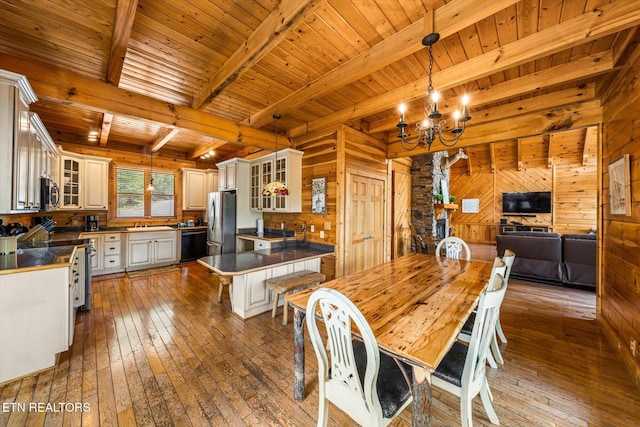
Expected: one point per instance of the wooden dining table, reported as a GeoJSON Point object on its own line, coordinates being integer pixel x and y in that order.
{"type": "Point", "coordinates": [415, 305]}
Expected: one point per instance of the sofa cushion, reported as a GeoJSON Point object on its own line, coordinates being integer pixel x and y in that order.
{"type": "Point", "coordinates": [538, 254]}
{"type": "Point", "coordinates": [579, 256]}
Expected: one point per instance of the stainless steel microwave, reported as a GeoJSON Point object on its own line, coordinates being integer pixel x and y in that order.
{"type": "Point", "coordinates": [49, 194]}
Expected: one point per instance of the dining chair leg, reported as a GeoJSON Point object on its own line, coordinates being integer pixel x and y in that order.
{"type": "Point", "coordinates": [501, 335]}
{"type": "Point", "coordinates": [485, 395]}
{"type": "Point", "coordinates": [496, 356]}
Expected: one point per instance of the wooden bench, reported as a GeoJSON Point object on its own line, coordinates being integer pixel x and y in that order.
{"type": "Point", "coordinates": [290, 283]}
{"type": "Point", "coordinates": [222, 281]}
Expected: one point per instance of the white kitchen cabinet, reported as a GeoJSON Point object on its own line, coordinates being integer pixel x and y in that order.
{"type": "Point", "coordinates": [250, 294]}
{"type": "Point", "coordinates": [286, 167]}
{"type": "Point", "coordinates": [83, 182]}
{"type": "Point", "coordinates": [229, 172]}
{"type": "Point", "coordinates": [95, 193]}
{"type": "Point", "coordinates": [212, 181]}
{"type": "Point", "coordinates": [147, 249]}
{"type": "Point", "coordinates": [21, 146]}
{"type": "Point", "coordinates": [35, 316]}
{"type": "Point", "coordinates": [195, 187]}
{"type": "Point", "coordinates": [107, 252]}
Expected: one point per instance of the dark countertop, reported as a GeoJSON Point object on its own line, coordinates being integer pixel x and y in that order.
{"type": "Point", "coordinates": [245, 262]}
{"type": "Point", "coordinates": [36, 258]}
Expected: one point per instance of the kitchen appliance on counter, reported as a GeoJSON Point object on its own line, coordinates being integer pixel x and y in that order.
{"type": "Point", "coordinates": [49, 194]}
{"type": "Point", "coordinates": [91, 223]}
{"type": "Point", "coordinates": [221, 215]}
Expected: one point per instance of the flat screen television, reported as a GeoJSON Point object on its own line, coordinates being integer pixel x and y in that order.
{"type": "Point", "coordinates": [527, 202]}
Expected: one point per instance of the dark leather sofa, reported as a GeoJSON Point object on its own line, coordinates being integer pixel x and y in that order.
{"type": "Point", "coordinates": [551, 257]}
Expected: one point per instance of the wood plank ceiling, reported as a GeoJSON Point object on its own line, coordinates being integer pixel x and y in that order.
{"type": "Point", "coordinates": [187, 76]}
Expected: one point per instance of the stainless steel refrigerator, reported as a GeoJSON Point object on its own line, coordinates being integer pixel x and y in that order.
{"type": "Point", "coordinates": [221, 215]}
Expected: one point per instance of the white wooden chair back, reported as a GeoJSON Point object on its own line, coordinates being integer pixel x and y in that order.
{"type": "Point", "coordinates": [474, 373]}
{"type": "Point", "coordinates": [509, 257]}
{"type": "Point", "coordinates": [499, 267]}
{"type": "Point", "coordinates": [339, 381]}
{"type": "Point", "coordinates": [454, 247]}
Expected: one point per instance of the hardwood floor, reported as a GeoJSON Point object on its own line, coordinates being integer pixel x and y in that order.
{"type": "Point", "coordinates": [159, 350]}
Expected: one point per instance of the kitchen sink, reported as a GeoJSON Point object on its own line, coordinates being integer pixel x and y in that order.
{"type": "Point", "coordinates": [153, 228]}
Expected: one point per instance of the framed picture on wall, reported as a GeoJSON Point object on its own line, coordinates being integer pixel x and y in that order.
{"type": "Point", "coordinates": [620, 187]}
{"type": "Point", "coordinates": [319, 195]}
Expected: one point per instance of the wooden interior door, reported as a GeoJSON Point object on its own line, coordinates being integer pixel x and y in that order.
{"type": "Point", "coordinates": [401, 212]}
{"type": "Point", "coordinates": [364, 223]}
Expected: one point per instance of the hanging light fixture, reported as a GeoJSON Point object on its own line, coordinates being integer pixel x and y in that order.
{"type": "Point", "coordinates": [275, 187]}
{"type": "Point", "coordinates": [151, 187]}
{"type": "Point", "coordinates": [431, 127]}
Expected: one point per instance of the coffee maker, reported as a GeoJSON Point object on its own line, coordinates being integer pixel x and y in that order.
{"type": "Point", "coordinates": [91, 223]}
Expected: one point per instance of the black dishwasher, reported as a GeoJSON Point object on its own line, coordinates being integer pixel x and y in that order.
{"type": "Point", "coordinates": [194, 244]}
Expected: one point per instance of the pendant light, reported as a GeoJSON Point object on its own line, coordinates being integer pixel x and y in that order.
{"type": "Point", "coordinates": [151, 187]}
{"type": "Point", "coordinates": [275, 187]}
{"type": "Point", "coordinates": [432, 127]}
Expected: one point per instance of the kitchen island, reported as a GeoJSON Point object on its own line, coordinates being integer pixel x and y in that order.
{"type": "Point", "coordinates": [250, 270]}
{"type": "Point", "coordinates": [37, 294]}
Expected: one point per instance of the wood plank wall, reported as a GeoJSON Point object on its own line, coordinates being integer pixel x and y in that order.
{"type": "Point", "coordinates": [319, 160]}
{"type": "Point", "coordinates": [543, 163]}
{"type": "Point", "coordinates": [619, 293]}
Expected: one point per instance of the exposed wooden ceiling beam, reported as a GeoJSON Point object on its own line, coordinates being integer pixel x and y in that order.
{"type": "Point", "coordinates": [600, 22]}
{"type": "Point", "coordinates": [286, 16]}
{"type": "Point", "coordinates": [539, 123]}
{"type": "Point", "coordinates": [107, 120]}
{"type": "Point", "coordinates": [60, 86]}
{"type": "Point", "coordinates": [448, 20]}
{"type": "Point", "coordinates": [204, 149]}
{"type": "Point", "coordinates": [579, 69]}
{"type": "Point", "coordinates": [165, 137]}
{"type": "Point", "coordinates": [125, 14]}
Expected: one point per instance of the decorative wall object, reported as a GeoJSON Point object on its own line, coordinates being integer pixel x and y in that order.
{"type": "Point", "coordinates": [319, 195]}
{"type": "Point", "coordinates": [470, 205]}
{"type": "Point", "coordinates": [620, 186]}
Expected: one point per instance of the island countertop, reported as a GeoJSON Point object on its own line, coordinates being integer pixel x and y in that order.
{"type": "Point", "coordinates": [245, 262]}
{"type": "Point", "coordinates": [36, 259]}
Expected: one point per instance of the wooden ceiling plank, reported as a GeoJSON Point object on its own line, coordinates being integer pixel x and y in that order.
{"type": "Point", "coordinates": [287, 15]}
{"type": "Point", "coordinates": [447, 21]}
{"type": "Point", "coordinates": [60, 86]}
{"type": "Point", "coordinates": [107, 120]}
{"type": "Point", "coordinates": [166, 136]}
{"type": "Point", "coordinates": [600, 22]}
{"type": "Point", "coordinates": [125, 15]}
{"type": "Point", "coordinates": [579, 69]}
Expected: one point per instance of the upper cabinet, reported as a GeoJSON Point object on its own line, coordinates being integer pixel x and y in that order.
{"type": "Point", "coordinates": [26, 148]}
{"type": "Point", "coordinates": [84, 182]}
{"type": "Point", "coordinates": [228, 174]}
{"type": "Point", "coordinates": [196, 184]}
{"type": "Point", "coordinates": [284, 166]}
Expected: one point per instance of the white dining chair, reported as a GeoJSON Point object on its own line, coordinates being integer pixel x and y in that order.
{"type": "Point", "coordinates": [462, 371]}
{"type": "Point", "coordinates": [509, 257]}
{"type": "Point", "coordinates": [370, 387]}
{"type": "Point", "coordinates": [494, 357]}
{"type": "Point", "coordinates": [454, 247]}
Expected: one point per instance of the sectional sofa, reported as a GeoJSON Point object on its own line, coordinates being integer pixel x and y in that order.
{"type": "Point", "coordinates": [568, 259]}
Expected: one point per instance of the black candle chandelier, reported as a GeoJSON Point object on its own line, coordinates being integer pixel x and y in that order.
{"type": "Point", "coordinates": [432, 127]}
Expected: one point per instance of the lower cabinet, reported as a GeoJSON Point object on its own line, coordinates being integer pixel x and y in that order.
{"type": "Point", "coordinates": [106, 252]}
{"type": "Point", "coordinates": [36, 320]}
{"type": "Point", "coordinates": [151, 249]}
{"type": "Point", "coordinates": [249, 293]}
